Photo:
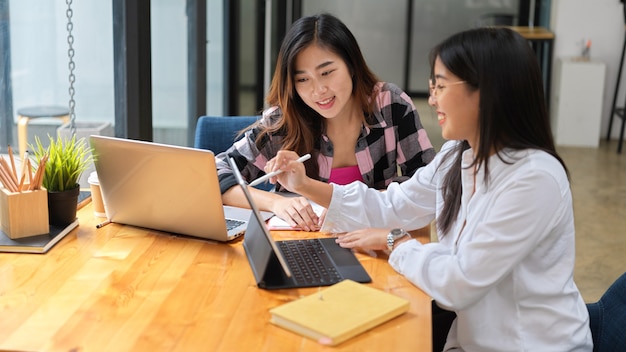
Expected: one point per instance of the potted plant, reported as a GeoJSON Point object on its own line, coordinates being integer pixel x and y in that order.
{"type": "Point", "coordinates": [68, 158]}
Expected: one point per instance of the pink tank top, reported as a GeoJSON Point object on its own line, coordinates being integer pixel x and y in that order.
{"type": "Point", "coordinates": [345, 175]}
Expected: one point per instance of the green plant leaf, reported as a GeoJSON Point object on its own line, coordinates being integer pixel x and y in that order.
{"type": "Point", "coordinates": [67, 160]}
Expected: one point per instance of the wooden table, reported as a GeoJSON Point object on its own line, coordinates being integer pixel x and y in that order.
{"type": "Point", "coordinates": [122, 288]}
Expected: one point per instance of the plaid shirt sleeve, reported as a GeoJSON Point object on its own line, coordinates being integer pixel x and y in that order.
{"type": "Point", "coordinates": [250, 159]}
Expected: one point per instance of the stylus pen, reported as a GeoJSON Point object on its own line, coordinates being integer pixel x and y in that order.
{"type": "Point", "coordinates": [102, 224]}
{"type": "Point", "coordinates": [266, 177]}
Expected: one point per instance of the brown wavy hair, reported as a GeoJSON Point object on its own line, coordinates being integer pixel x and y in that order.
{"type": "Point", "coordinates": [300, 125]}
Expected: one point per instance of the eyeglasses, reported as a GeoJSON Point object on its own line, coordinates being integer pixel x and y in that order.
{"type": "Point", "coordinates": [435, 89]}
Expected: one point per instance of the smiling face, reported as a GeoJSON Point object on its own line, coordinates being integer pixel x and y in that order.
{"type": "Point", "coordinates": [324, 82]}
{"type": "Point", "coordinates": [456, 104]}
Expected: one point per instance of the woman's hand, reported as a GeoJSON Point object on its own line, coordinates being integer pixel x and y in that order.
{"type": "Point", "coordinates": [297, 212]}
{"type": "Point", "coordinates": [365, 239]}
{"type": "Point", "coordinates": [294, 175]}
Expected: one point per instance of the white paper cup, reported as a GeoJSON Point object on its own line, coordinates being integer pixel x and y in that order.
{"type": "Point", "coordinates": [96, 196]}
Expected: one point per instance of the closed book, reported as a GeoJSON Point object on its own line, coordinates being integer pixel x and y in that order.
{"type": "Point", "coordinates": [36, 244]}
{"type": "Point", "coordinates": [339, 312]}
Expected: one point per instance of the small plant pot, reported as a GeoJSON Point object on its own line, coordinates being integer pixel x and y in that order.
{"type": "Point", "coordinates": [62, 206]}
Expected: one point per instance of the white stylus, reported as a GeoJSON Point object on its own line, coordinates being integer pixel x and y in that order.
{"type": "Point", "coordinates": [266, 177]}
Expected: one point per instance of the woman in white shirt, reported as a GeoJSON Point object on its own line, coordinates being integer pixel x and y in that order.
{"type": "Point", "coordinates": [499, 194]}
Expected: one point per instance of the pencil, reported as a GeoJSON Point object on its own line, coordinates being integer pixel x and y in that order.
{"type": "Point", "coordinates": [24, 173]}
{"type": "Point", "coordinates": [42, 167]}
{"type": "Point", "coordinates": [7, 181]}
{"type": "Point", "coordinates": [38, 178]}
{"type": "Point", "coordinates": [8, 171]}
{"type": "Point", "coordinates": [7, 176]}
{"type": "Point", "coordinates": [30, 172]}
{"type": "Point", "coordinates": [10, 150]}
{"type": "Point", "coordinates": [33, 179]}
{"type": "Point", "coordinates": [22, 178]}
{"type": "Point", "coordinates": [266, 177]}
{"type": "Point", "coordinates": [3, 179]}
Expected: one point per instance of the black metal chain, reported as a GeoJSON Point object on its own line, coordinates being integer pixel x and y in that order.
{"type": "Point", "coordinates": [71, 66]}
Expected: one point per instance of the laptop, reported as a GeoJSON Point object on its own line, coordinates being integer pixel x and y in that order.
{"type": "Point", "coordinates": [288, 264]}
{"type": "Point", "coordinates": [166, 188]}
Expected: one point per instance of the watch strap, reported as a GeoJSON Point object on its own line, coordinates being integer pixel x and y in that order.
{"type": "Point", "coordinates": [394, 235]}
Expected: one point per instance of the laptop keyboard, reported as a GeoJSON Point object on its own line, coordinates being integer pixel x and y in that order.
{"type": "Point", "coordinates": [309, 262]}
{"type": "Point", "coordinates": [231, 223]}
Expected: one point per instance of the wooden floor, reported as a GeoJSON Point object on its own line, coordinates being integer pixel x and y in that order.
{"type": "Point", "coordinates": [598, 181]}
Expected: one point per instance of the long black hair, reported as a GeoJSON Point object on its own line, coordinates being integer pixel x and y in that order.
{"type": "Point", "coordinates": [512, 110]}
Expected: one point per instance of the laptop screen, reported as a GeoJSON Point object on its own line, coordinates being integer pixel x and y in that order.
{"type": "Point", "coordinates": [258, 242]}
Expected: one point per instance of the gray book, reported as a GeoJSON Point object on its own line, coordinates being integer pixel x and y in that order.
{"type": "Point", "coordinates": [35, 244]}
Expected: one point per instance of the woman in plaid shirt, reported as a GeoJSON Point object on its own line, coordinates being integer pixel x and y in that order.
{"type": "Point", "coordinates": [325, 101]}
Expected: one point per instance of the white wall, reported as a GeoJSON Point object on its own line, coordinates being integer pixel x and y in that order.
{"type": "Point", "coordinates": [601, 21]}
{"type": "Point", "coordinates": [378, 26]}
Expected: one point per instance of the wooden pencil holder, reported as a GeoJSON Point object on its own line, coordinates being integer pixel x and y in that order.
{"type": "Point", "coordinates": [24, 214]}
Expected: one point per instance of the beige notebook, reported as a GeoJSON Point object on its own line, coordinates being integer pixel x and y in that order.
{"type": "Point", "coordinates": [339, 312]}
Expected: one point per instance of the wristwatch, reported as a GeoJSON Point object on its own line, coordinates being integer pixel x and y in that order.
{"type": "Point", "coordinates": [394, 235]}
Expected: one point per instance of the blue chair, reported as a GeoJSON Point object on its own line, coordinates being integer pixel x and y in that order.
{"type": "Point", "coordinates": [217, 134]}
{"type": "Point", "coordinates": [607, 318]}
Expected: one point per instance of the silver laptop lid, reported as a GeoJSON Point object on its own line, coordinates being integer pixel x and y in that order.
{"type": "Point", "coordinates": [162, 187]}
